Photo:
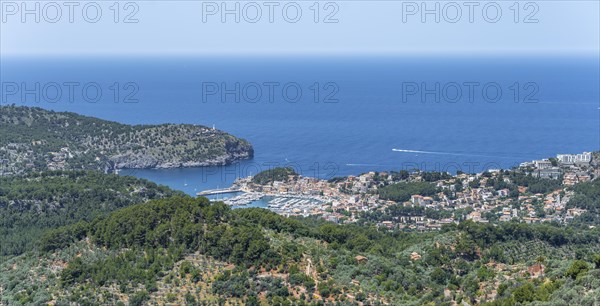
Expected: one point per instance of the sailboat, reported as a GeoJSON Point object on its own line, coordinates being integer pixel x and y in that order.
{"type": "Point", "coordinates": [185, 182]}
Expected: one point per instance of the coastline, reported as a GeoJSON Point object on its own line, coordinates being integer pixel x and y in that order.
{"type": "Point", "coordinates": [344, 199]}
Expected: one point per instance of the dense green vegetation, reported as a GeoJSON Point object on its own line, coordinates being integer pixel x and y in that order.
{"type": "Point", "coordinates": [276, 174]}
{"type": "Point", "coordinates": [533, 184]}
{"type": "Point", "coordinates": [435, 176]}
{"type": "Point", "coordinates": [38, 139]}
{"type": "Point", "coordinates": [143, 251]}
{"type": "Point", "coordinates": [587, 196]}
{"type": "Point", "coordinates": [157, 234]}
{"type": "Point", "coordinates": [393, 212]}
{"type": "Point", "coordinates": [401, 192]}
{"type": "Point", "coordinates": [33, 203]}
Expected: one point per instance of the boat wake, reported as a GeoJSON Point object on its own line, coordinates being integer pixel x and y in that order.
{"type": "Point", "coordinates": [443, 153]}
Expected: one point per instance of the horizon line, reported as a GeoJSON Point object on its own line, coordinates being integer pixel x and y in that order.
{"type": "Point", "coordinates": [328, 54]}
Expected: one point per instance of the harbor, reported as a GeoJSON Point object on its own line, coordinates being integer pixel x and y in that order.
{"type": "Point", "coordinates": [296, 204]}
{"type": "Point", "coordinates": [243, 199]}
{"type": "Point", "coordinates": [281, 203]}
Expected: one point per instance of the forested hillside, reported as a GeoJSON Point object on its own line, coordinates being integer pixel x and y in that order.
{"type": "Point", "coordinates": [31, 204]}
{"type": "Point", "coordinates": [38, 139]}
{"type": "Point", "coordinates": [276, 174]}
{"type": "Point", "coordinates": [188, 251]}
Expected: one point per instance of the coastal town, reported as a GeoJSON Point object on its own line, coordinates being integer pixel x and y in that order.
{"type": "Point", "coordinates": [536, 191]}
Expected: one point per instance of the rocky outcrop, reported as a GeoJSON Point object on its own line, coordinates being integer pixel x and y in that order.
{"type": "Point", "coordinates": [234, 149]}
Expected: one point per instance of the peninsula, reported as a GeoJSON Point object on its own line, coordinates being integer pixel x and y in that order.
{"type": "Point", "coordinates": [35, 139]}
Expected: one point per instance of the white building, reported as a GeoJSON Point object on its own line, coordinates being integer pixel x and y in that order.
{"type": "Point", "coordinates": [542, 164]}
{"type": "Point", "coordinates": [584, 157]}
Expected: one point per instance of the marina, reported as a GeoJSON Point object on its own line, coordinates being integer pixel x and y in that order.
{"type": "Point", "coordinates": [243, 199]}
{"type": "Point", "coordinates": [293, 204]}
{"type": "Point", "coordinates": [283, 204]}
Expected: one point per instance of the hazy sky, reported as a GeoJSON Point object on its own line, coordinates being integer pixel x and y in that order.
{"type": "Point", "coordinates": [397, 27]}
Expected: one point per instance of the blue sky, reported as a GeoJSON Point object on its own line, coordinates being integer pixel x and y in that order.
{"type": "Point", "coordinates": [363, 27]}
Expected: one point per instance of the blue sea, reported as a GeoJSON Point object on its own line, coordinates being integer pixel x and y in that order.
{"type": "Point", "coordinates": [333, 116]}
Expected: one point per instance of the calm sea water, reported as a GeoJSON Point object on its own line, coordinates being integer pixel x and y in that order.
{"type": "Point", "coordinates": [350, 115]}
